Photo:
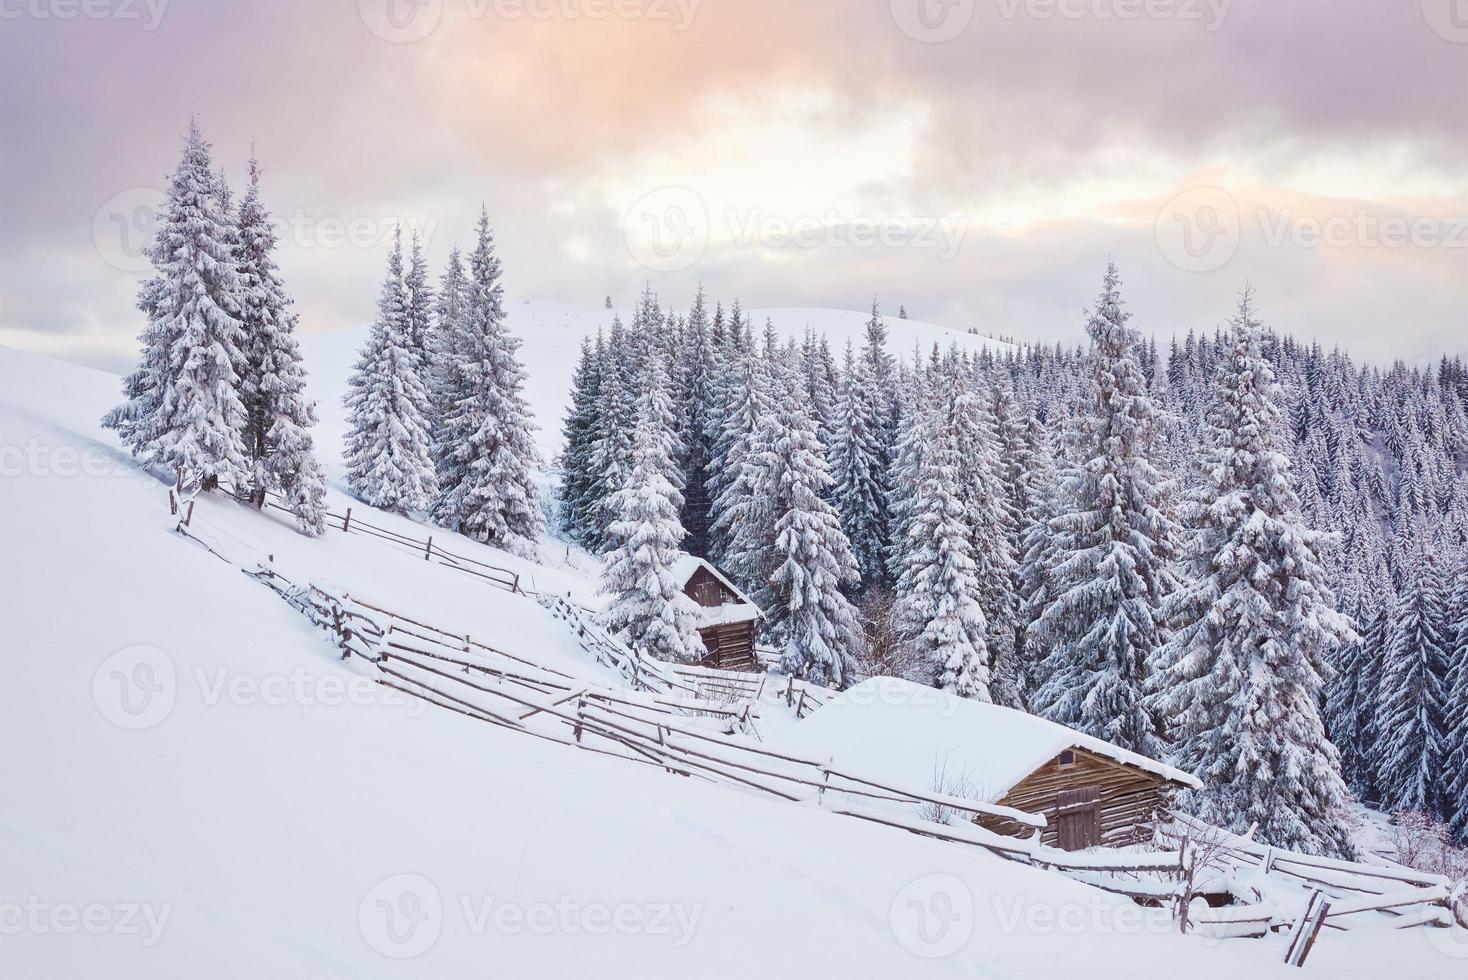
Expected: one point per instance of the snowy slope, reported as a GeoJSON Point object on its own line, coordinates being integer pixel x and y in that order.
{"type": "Point", "coordinates": [195, 785]}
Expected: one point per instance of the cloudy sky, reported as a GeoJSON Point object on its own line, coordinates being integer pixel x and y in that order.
{"type": "Point", "coordinates": [974, 160]}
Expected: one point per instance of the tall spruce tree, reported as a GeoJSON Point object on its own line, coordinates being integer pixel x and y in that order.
{"type": "Point", "coordinates": [940, 619]}
{"type": "Point", "coordinates": [696, 386]}
{"type": "Point", "coordinates": [1351, 694]}
{"type": "Point", "coordinates": [648, 604]}
{"type": "Point", "coordinates": [1101, 630]}
{"type": "Point", "coordinates": [183, 411]}
{"type": "Point", "coordinates": [990, 519]}
{"type": "Point", "coordinates": [810, 620]}
{"type": "Point", "coordinates": [451, 311]}
{"type": "Point", "coordinates": [1456, 719]}
{"type": "Point", "coordinates": [857, 455]}
{"type": "Point", "coordinates": [489, 459]}
{"type": "Point", "coordinates": [611, 449]}
{"type": "Point", "coordinates": [741, 517]}
{"type": "Point", "coordinates": [387, 445]}
{"type": "Point", "coordinates": [1256, 627]}
{"type": "Point", "coordinates": [418, 295]}
{"type": "Point", "coordinates": [278, 414]}
{"type": "Point", "coordinates": [578, 491]}
{"type": "Point", "coordinates": [1412, 704]}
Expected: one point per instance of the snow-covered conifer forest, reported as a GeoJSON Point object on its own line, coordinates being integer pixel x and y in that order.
{"type": "Point", "coordinates": [382, 616]}
{"type": "Point", "coordinates": [1237, 551]}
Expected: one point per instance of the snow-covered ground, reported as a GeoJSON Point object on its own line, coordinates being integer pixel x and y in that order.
{"type": "Point", "coordinates": [195, 785]}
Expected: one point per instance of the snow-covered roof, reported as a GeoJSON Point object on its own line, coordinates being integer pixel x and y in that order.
{"type": "Point", "coordinates": [684, 569]}
{"type": "Point", "coordinates": [910, 735]}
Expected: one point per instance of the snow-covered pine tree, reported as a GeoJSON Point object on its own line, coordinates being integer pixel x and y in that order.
{"type": "Point", "coordinates": [1456, 724]}
{"type": "Point", "coordinates": [860, 496]}
{"type": "Point", "coordinates": [419, 299]}
{"type": "Point", "coordinates": [1101, 629]}
{"type": "Point", "coordinates": [991, 520]}
{"type": "Point", "coordinates": [279, 416]}
{"type": "Point", "coordinates": [387, 445]}
{"type": "Point", "coordinates": [1412, 703]}
{"type": "Point", "coordinates": [694, 396]}
{"type": "Point", "coordinates": [611, 449]}
{"type": "Point", "coordinates": [741, 517]}
{"type": "Point", "coordinates": [648, 604]}
{"type": "Point", "coordinates": [1351, 694]}
{"type": "Point", "coordinates": [489, 458]}
{"type": "Point", "coordinates": [183, 411]}
{"type": "Point", "coordinates": [888, 395]}
{"type": "Point", "coordinates": [577, 492]}
{"type": "Point", "coordinates": [1256, 627]}
{"type": "Point", "coordinates": [1037, 553]}
{"type": "Point", "coordinates": [818, 373]}
{"type": "Point", "coordinates": [939, 617]}
{"type": "Point", "coordinates": [810, 620]}
{"type": "Point", "coordinates": [442, 377]}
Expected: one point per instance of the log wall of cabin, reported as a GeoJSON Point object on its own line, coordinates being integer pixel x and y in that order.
{"type": "Point", "coordinates": [1129, 798]}
{"type": "Point", "coordinates": [731, 646]}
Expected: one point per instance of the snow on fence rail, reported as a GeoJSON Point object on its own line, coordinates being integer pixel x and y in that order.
{"type": "Point", "coordinates": [501, 578]}
{"type": "Point", "coordinates": [1408, 897]}
{"type": "Point", "coordinates": [686, 736]}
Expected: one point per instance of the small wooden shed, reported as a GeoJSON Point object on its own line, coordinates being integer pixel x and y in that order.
{"type": "Point", "coordinates": [726, 615]}
{"type": "Point", "coordinates": [1091, 793]}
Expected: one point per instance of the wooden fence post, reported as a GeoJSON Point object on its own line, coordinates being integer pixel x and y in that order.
{"type": "Point", "coordinates": [347, 521]}
{"type": "Point", "coordinates": [1186, 860]}
{"type": "Point", "coordinates": [1306, 928]}
{"type": "Point", "coordinates": [428, 548]}
{"type": "Point", "coordinates": [190, 515]}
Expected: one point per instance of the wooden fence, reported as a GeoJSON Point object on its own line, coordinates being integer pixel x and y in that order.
{"type": "Point", "coordinates": [1350, 889]}
{"type": "Point", "coordinates": [688, 736]}
{"type": "Point", "coordinates": [501, 578]}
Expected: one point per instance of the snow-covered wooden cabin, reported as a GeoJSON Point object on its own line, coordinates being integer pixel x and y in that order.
{"type": "Point", "coordinates": [726, 616]}
{"type": "Point", "coordinates": [1089, 791]}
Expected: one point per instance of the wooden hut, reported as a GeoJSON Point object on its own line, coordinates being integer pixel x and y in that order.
{"type": "Point", "coordinates": [726, 615]}
{"type": "Point", "coordinates": [1091, 793]}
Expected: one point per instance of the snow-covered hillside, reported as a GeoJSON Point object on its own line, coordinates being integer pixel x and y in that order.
{"type": "Point", "coordinates": [552, 335]}
{"type": "Point", "coordinates": [195, 784]}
